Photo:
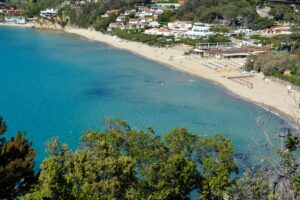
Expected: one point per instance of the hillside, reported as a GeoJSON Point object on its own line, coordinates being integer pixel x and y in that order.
{"type": "Point", "coordinates": [239, 12]}
{"type": "Point", "coordinates": [230, 12]}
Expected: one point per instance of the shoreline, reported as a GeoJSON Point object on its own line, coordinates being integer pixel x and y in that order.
{"type": "Point", "coordinates": [28, 25]}
{"type": "Point", "coordinates": [286, 112]}
{"type": "Point", "coordinates": [272, 97]}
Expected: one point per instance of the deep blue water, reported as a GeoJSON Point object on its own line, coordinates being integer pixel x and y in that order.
{"type": "Point", "coordinates": [56, 84]}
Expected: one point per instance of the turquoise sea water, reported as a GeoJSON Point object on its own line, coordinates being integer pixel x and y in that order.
{"type": "Point", "coordinates": [56, 84]}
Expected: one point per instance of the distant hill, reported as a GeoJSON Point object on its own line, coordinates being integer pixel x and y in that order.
{"type": "Point", "coordinates": [241, 13]}
{"type": "Point", "coordinates": [237, 12]}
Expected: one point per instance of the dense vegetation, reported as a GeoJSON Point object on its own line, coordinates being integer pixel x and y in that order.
{"type": "Point", "coordinates": [122, 163]}
{"type": "Point", "coordinates": [276, 63]}
{"type": "Point", "coordinates": [16, 164]}
{"type": "Point", "coordinates": [139, 36]}
{"type": "Point", "coordinates": [285, 55]}
{"type": "Point", "coordinates": [232, 12]}
{"type": "Point", "coordinates": [284, 13]}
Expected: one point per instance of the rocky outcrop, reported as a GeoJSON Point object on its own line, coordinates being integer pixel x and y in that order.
{"type": "Point", "coordinates": [52, 24]}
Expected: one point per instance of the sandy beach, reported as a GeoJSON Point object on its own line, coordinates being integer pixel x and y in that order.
{"type": "Point", "coordinates": [27, 25]}
{"type": "Point", "coordinates": [271, 95]}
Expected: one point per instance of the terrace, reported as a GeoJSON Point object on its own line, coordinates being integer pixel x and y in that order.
{"type": "Point", "coordinates": [214, 45]}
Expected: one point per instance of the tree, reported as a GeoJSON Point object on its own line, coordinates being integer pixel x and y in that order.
{"type": "Point", "coordinates": [122, 163]}
{"type": "Point", "coordinates": [86, 174]}
{"type": "Point", "coordinates": [218, 165]}
{"type": "Point", "coordinates": [235, 13]}
{"type": "Point", "coordinates": [16, 164]}
{"type": "Point", "coordinates": [173, 178]}
{"type": "Point", "coordinates": [166, 16]}
{"type": "Point", "coordinates": [256, 187]}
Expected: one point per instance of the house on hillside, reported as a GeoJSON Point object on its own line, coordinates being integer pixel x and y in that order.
{"type": "Point", "coordinates": [115, 25]}
{"type": "Point", "coordinates": [154, 24]}
{"type": "Point", "coordinates": [245, 31]}
{"type": "Point", "coordinates": [121, 18]}
{"type": "Point", "coordinates": [48, 13]}
{"type": "Point", "coordinates": [129, 12]}
{"type": "Point", "coordinates": [201, 27]}
{"type": "Point", "coordinates": [199, 30]}
{"type": "Point", "coordinates": [112, 12]}
{"type": "Point", "coordinates": [15, 20]}
{"type": "Point", "coordinates": [144, 12]}
{"type": "Point", "coordinates": [156, 10]}
{"type": "Point", "coordinates": [158, 31]}
{"type": "Point", "coordinates": [13, 11]}
{"type": "Point", "coordinates": [287, 72]}
{"type": "Point", "coordinates": [133, 21]}
{"type": "Point", "coordinates": [167, 5]}
{"type": "Point", "coordinates": [277, 30]}
{"type": "Point", "coordinates": [180, 25]}
{"type": "Point", "coordinates": [197, 34]}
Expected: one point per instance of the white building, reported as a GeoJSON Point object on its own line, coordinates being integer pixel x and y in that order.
{"type": "Point", "coordinates": [130, 12]}
{"type": "Point", "coordinates": [20, 20]}
{"type": "Point", "coordinates": [121, 18]}
{"type": "Point", "coordinates": [199, 30]}
{"type": "Point", "coordinates": [180, 25]}
{"type": "Point", "coordinates": [201, 27]}
{"type": "Point", "coordinates": [144, 12]}
{"type": "Point", "coordinates": [197, 34]}
{"type": "Point", "coordinates": [15, 20]}
{"type": "Point", "coordinates": [48, 13]}
{"type": "Point", "coordinates": [245, 31]}
{"type": "Point", "coordinates": [116, 25]}
{"type": "Point", "coordinates": [154, 24]}
{"type": "Point", "coordinates": [158, 31]}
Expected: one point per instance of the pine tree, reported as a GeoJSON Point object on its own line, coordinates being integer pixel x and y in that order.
{"type": "Point", "coordinates": [16, 164]}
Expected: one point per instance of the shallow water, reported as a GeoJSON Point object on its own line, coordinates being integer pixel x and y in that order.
{"type": "Point", "coordinates": [56, 84]}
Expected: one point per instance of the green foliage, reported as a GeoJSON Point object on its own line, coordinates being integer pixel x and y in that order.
{"type": "Point", "coordinates": [122, 163]}
{"type": "Point", "coordinates": [265, 40]}
{"type": "Point", "coordinates": [274, 64]}
{"type": "Point", "coordinates": [33, 8]}
{"type": "Point", "coordinates": [217, 167]}
{"type": "Point", "coordinates": [86, 174]}
{"type": "Point", "coordinates": [235, 13]}
{"type": "Point", "coordinates": [297, 180]}
{"type": "Point", "coordinates": [256, 187]}
{"type": "Point", "coordinates": [16, 164]}
{"type": "Point", "coordinates": [282, 12]}
{"type": "Point", "coordinates": [258, 23]}
{"type": "Point", "coordinates": [291, 142]}
{"type": "Point", "coordinates": [138, 36]}
{"type": "Point", "coordinates": [218, 38]}
{"type": "Point", "coordinates": [101, 24]}
{"type": "Point", "coordinates": [173, 178]}
{"type": "Point", "coordinates": [287, 38]}
{"type": "Point", "coordinates": [294, 78]}
{"type": "Point", "coordinates": [166, 16]}
{"type": "Point", "coordinates": [220, 29]}
{"type": "Point", "coordinates": [277, 41]}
